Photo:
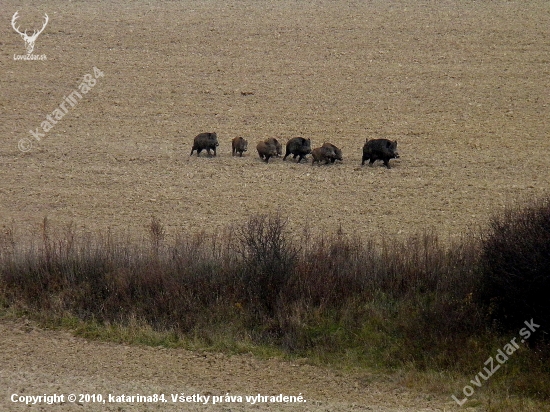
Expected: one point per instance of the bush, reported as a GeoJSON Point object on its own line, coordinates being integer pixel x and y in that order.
{"type": "Point", "coordinates": [516, 265]}
{"type": "Point", "coordinates": [268, 258]}
{"type": "Point", "coordinates": [406, 302]}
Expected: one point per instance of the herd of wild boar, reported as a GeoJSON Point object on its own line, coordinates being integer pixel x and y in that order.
{"type": "Point", "coordinates": [299, 147]}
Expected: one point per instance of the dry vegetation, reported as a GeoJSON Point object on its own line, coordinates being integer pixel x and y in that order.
{"type": "Point", "coordinates": [413, 306]}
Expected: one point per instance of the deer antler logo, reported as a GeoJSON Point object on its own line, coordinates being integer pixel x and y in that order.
{"type": "Point", "coordinates": [29, 40]}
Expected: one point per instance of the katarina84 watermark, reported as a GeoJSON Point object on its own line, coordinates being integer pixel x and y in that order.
{"type": "Point", "coordinates": [501, 357]}
{"type": "Point", "coordinates": [70, 101]}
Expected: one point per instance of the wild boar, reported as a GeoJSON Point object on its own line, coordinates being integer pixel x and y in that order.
{"type": "Point", "coordinates": [337, 152]}
{"type": "Point", "coordinates": [298, 147]}
{"type": "Point", "coordinates": [380, 149]}
{"type": "Point", "coordinates": [239, 145]}
{"type": "Point", "coordinates": [205, 141]}
{"type": "Point", "coordinates": [266, 150]}
{"type": "Point", "coordinates": [322, 153]}
{"type": "Point", "coordinates": [278, 145]}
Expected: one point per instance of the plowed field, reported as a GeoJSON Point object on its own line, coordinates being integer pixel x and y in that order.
{"type": "Point", "coordinates": [463, 86]}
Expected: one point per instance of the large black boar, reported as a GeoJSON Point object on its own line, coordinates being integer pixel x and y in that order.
{"type": "Point", "coordinates": [266, 149]}
{"type": "Point", "coordinates": [380, 149]}
{"type": "Point", "coordinates": [298, 146]}
{"type": "Point", "coordinates": [278, 145]}
{"type": "Point", "coordinates": [205, 141]}
{"type": "Point", "coordinates": [239, 145]}
{"type": "Point", "coordinates": [323, 153]}
{"type": "Point", "coordinates": [337, 152]}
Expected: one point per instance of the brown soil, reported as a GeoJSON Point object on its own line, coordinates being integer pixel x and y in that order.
{"type": "Point", "coordinates": [462, 85]}
{"type": "Point", "coordinates": [37, 362]}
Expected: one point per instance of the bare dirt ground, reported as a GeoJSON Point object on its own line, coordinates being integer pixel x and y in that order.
{"type": "Point", "coordinates": [36, 362]}
{"type": "Point", "coordinates": [462, 85]}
